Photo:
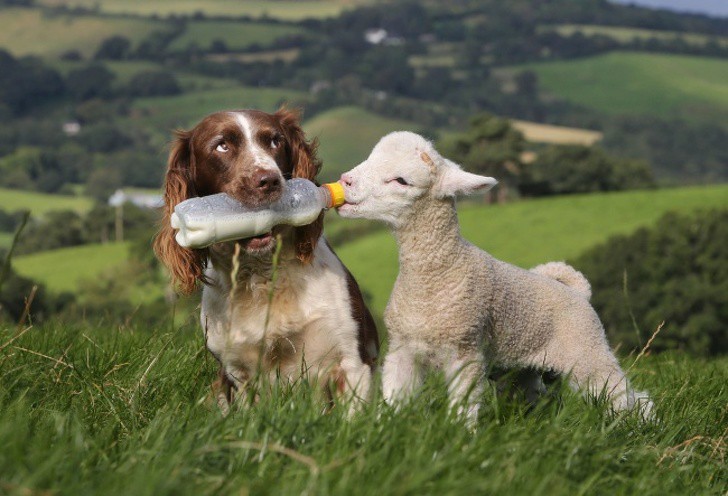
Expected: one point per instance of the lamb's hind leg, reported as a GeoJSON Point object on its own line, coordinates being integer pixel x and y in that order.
{"type": "Point", "coordinates": [594, 370]}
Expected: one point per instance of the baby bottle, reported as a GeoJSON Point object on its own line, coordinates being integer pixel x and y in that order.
{"type": "Point", "coordinates": [212, 219]}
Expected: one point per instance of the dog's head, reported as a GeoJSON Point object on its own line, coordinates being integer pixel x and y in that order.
{"type": "Point", "coordinates": [247, 154]}
{"type": "Point", "coordinates": [402, 168]}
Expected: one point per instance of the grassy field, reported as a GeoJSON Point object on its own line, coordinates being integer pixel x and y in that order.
{"type": "Point", "coordinates": [30, 32]}
{"type": "Point", "coordinates": [63, 269]}
{"type": "Point", "coordinates": [626, 35]}
{"type": "Point", "coordinates": [531, 232]}
{"type": "Point", "coordinates": [629, 83]}
{"type": "Point", "coordinates": [86, 409]}
{"type": "Point", "coordinates": [560, 135]}
{"type": "Point", "coordinates": [290, 10]}
{"type": "Point", "coordinates": [236, 35]}
{"type": "Point", "coordinates": [39, 203]}
{"type": "Point", "coordinates": [347, 135]}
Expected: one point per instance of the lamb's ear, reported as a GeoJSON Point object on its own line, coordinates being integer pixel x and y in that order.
{"type": "Point", "coordinates": [454, 181]}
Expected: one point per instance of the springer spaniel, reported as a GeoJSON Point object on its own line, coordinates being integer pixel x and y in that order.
{"type": "Point", "coordinates": [316, 325]}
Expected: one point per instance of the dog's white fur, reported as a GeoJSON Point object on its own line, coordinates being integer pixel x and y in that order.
{"type": "Point", "coordinates": [300, 332]}
{"type": "Point", "coordinates": [456, 308]}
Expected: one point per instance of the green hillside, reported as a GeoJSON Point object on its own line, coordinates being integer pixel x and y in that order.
{"type": "Point", "coordinates": [161, 115]}
{"type": "Point", "coordinates": [347, 135]}
{"type": "Point", "coordinates": [623, 82]}
{"type": "Point", "coordinates": [236, 35]}
{"type": "Point", "coordinates": [26, 32]}
{"type": "Point", "coordinates": [286, 10]}
{"type": "Point", "coordinates": [61, 270]}
{"type": "Point", "coordinates": [39, 203]}
{"type": "Point", "coordinates": [531, 232]}
{"type": "Point", "coordinates": [628, 34]}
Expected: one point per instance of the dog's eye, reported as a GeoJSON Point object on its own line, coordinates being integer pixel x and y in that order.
{"type": "Point", "coordinates": [400, 180]}
{"type": "Point", "coordinates": [275, 142]}
{"type": "Point", "coordinates": [222, 147]}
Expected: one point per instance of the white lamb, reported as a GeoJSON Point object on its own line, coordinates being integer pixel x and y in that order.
{"type": "Point", "coordinates": [456, 308]}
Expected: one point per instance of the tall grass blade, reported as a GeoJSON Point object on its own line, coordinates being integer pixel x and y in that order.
{"type": "Point", "coordinates": [6, 263]}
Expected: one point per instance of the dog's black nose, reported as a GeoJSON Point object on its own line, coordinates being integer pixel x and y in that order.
{"type": "Point", "coordinates": [268, 182]}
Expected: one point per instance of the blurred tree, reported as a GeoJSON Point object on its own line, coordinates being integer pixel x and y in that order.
{"type": "Point", "coordinates": [114, 48]}
{"type": "Point", "coordinates": [153, 83]}
{"type": "Point", "coordinates": [490, 146]}
{"type": "Point", "coordinates": [102, 183]}
{"type": "Point", "coordinates": [57, 229]}
{"type": "Point", "coordinates": [581, 169]}
{"type": "Point", "coordinates": [676, 272]}
{"type": "Point", "coordinates": [92, 81]}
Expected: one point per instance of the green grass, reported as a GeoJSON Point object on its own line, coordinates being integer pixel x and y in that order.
{"type": "Point", "coordinates": [87, 409]}
{"type": "Point", "coordinates": [347, 135]}
{"type": "Point", "coordinates": [290, 10]}
{"type": "Point", "coordinates": [236, 35]}
{"type": "Point", "coordinates": [63, 269]}
{"type": "Point", "coordinates": [31, 32]}
{"type": "Point", "coordinates": [531, 232]}
{"type": "Point", "coordinates": [626, 35]}
{"type": "Point", "coordinates": [628, 83]}
{"type": "Point", "coordinates": [40, 203]}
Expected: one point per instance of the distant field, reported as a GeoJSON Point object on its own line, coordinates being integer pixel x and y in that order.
{"type": "Point", "coordinates": [30, 32]}
{"type": "Point", "coordinates": [629, 83]}
{"type": "Point", "coordinates": [61, 270]}
{"type": "Point", "coordinates": [347, 135]}
{"type": "Point", "coordinates": [236, 35]}
{"type": "Point", "coordinates": [39, 203]}
{"type": "Point", "coordinates": [285, 55]}
{"type": "Point", "coordinates": [531, 232]}
{"type": "Point", "coordinates": [290, 10]}
{"type": "Point", "coordinates": [545, 133]}
{"type": "Point", "coordinates": [127, 69]}
{"type": "Point", "coordinates": [164, 114]}
{"type": "Point", "coordinates": [625, 35]}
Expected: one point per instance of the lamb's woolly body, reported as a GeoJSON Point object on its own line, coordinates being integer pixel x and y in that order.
{"type": "Point", "coordinates": [456, 308]}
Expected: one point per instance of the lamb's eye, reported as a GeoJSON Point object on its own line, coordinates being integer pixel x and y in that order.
{"type": "Point", "coordinates": [401, 181]}
{"type": "Point", "coordinates": [222, 147]}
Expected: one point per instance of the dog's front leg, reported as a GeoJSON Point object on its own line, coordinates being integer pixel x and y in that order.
{"type": "Point", "coordinates": [356, 382]}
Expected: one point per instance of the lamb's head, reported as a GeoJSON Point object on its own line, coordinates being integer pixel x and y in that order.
{"type": "Point", "coordinates": [402, 169]}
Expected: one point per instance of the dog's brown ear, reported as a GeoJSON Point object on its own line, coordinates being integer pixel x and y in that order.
{"type": "Point", "coordinates": [186, 266]}
{"type": "Point", "coordinates": [306, 165]}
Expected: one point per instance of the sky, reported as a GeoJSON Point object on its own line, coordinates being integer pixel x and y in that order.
{"type": "Point", "coordinates": [717, 8]}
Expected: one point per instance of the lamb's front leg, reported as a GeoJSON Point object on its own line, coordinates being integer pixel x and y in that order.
{"type": "Point", "coordinates": [400, 375]}
{"type": "Point", "coordinates": [465, 379]}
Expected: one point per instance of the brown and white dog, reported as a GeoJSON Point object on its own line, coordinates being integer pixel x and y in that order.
{"type": "Point", "coordinates": [316, 325]}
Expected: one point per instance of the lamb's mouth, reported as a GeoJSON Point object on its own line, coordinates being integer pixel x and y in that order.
{"type": "Point", "coordinates": [347, 207]}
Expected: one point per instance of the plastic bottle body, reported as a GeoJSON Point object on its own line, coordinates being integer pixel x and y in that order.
{"type": "Point", "coordinates": [216, 218]}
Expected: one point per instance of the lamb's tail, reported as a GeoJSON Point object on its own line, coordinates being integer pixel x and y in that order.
{"type": "Point", "coordinates": [565, 274]}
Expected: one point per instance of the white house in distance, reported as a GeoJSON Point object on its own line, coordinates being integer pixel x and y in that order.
{"type": "Point", "coordinates": [143, 200]}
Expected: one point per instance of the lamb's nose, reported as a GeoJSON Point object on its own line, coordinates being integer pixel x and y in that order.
{"type": "Point", "coordinates": [268, 182]}
{"type": "Point", "coordinates": [347, 179]}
